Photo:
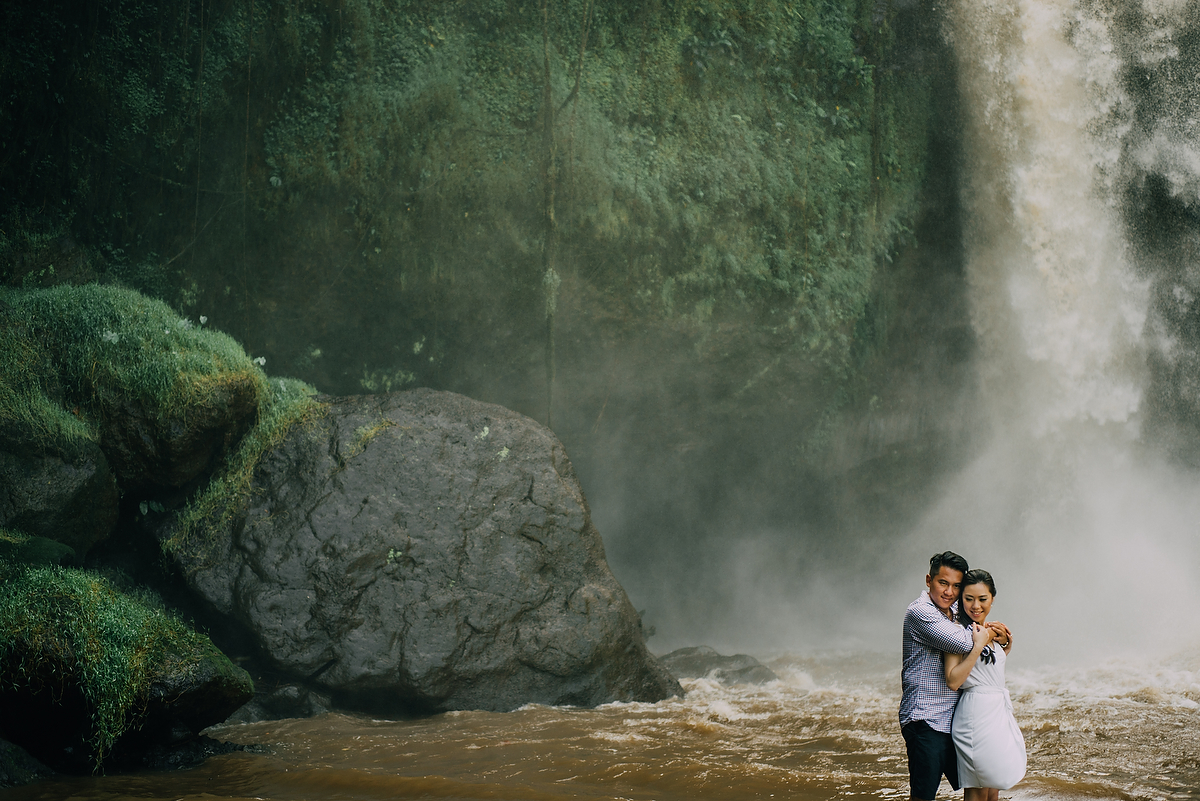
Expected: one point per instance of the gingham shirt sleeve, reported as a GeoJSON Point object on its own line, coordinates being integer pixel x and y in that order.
{"type": "Point", "coordinates": [932, 629]}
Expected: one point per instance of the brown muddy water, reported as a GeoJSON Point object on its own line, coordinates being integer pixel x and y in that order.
{"type": "Point", "coordinates": [1120, 729]}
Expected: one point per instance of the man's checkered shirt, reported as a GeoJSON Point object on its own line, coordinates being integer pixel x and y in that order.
{"type": "Point", "coordinates": [927, 633]}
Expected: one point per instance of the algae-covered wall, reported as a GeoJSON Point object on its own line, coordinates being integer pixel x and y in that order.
{"type": "Point", "coordinates": [668, 227]}
{"type": "Point", "coordinates": [298, 171]}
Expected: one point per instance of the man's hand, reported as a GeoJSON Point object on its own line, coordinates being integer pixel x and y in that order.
{"type": "Point", "coordinates": [1003, 636]}
{"type": "Point", "coordinates": [982, 635]}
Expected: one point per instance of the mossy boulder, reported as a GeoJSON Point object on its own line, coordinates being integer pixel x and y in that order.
{"type": "Point", "coordinates": [91, 673]}
{"type": "Point", "coordinates": [21, 548]}
{"type": "Point", "coordinates": [102, 388]}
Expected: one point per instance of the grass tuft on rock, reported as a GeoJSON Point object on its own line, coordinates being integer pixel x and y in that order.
{"type": "Point", "coordinates": [61, 627]}
{"type": "Point", "coordinates": [285, 404]}
{"type": "Point", "coordinates": [66, 348]}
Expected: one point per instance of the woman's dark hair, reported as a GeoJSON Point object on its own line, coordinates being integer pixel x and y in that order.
{"type": "Point", "coordinates": [969, 578]}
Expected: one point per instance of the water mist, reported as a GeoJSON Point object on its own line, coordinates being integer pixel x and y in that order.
{"type": "Point", "coordinates": [1091, 535]}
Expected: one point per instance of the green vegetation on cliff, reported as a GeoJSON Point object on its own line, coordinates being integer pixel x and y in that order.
{"type": "Point", "coordinates": [734, 171]}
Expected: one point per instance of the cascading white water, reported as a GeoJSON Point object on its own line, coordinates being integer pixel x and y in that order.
{"type": "Point", "coordinates": [1054, 302]}
{"type": "Point", "coordinates": [1090, 536]}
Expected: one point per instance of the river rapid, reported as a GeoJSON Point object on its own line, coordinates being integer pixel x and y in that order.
{"type": "Point", "coordinates": [1094, 728]}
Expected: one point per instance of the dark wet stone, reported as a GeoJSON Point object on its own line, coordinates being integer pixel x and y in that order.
{"type": "Point", "coordinates": [700, 662]}
{"type": "Point", "coordinates": [65, 494]}
{"type": "Point", "coordinates": [182, 753]}
{"type": "Point", "coordinates": [17, 767]}
{"type": "Point", "coordinates": [422, 551]}
{"type": "Point", "coordinates": [288, 701]}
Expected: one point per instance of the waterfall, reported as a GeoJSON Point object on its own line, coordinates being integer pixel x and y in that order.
{"type": "Point", "coordinates": [1089, 532]}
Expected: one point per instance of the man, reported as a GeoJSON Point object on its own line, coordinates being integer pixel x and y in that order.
{"type": "Point", "coordinates": [927, 703]}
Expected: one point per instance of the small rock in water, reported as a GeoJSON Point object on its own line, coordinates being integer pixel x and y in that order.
{"type": "Point", "coordinates": [702, 662]}
{"type": "Point", "coordinates": [288, 701]}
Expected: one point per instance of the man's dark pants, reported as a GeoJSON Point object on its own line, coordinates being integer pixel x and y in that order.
{"type": "Point", "coordinates": [930, 754]}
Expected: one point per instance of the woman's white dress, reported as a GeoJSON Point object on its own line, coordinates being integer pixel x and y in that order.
{"type": "Point", "coordinates": [991, 750]}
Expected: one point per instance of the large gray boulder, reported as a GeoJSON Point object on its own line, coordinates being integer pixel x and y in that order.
{"type": "Point", "coordinates": [423, 551]}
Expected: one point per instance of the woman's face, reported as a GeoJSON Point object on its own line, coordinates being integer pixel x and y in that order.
{"type": "Point", "coordinates": [977, 601]}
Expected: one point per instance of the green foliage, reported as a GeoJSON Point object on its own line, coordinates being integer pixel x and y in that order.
{"type": "Point", "coordinates": [61, 627]}
{"type": "Point", "coordinates": [287, 403]}
{"type": "Point", "coordinates": [722, 159]}
{"type": "Point", "coordinates": [64, 350]}
{"type": "Point", "coordinates": [726, 165]}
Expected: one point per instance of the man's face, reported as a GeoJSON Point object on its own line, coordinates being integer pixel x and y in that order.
{"type": "Point", "coordinates": [944, 587]}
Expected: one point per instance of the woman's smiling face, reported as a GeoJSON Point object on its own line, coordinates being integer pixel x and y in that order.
{"type": "Point", "coordinates": [976, 601]}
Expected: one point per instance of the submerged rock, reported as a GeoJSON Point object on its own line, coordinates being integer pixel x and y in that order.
{"type": "Point", "coordinates": [288, 701]}
{"type": "Point", "coordinates": [423, 551]}
{"type": "Point", "coordinates": [700, 662]}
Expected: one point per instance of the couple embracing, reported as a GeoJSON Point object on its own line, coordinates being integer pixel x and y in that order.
{"type": "Point", "coordinates": [955, 713]}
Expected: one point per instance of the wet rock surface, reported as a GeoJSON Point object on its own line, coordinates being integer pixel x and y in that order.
{"type": "Point", "coordinates": [66, 494]}
{"type": "Point", "coordinates": [17, 767]}
{"type": "Point", "coordinates": [288, 701]}
{"type": "Point", "coordinates": [422, 551]}
{"type": "Point", "coordinates": [700, 662]}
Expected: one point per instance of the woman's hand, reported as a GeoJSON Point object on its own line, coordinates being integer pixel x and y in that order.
{"type": "Point", "coordinates": [956, 668]}
{"type": "Point", "coordinates": [982, 635]}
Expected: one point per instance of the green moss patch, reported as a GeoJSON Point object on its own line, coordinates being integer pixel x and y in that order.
{"type": "Point", "coordinates": [62, 628]}
{"type": "Point", "coordinates": [18, 547]}
{"type": "Point", "coordinates": [65, 350]}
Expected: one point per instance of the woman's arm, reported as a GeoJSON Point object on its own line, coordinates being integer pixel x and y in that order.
{"type": "Point", "coordinates": [956, 666]}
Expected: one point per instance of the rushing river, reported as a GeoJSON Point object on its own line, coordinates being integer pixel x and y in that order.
{"type": "Point", "coordinates": [1120, 729]}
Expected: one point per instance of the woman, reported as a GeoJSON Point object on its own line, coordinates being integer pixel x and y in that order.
{"type": "Point", "coordinates": [991, 750]}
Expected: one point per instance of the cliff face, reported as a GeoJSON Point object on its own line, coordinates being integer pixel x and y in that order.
{"type": "Point", "coordinates": [497, 193]}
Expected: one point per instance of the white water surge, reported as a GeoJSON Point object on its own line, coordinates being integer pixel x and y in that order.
{"type": "Point", "coordinates": [1091, 537]}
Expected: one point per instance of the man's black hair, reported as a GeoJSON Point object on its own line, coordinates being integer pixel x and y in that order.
{"type": "Point", "coordinates": [947, 559]}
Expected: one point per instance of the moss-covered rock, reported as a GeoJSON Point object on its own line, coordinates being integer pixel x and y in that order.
{"type": "Point", "coordinates": [161, 395]}
{"type": "Point", "coordinates": [88, 669]}
{"type": "Point", "coordinates": [64, 491]}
